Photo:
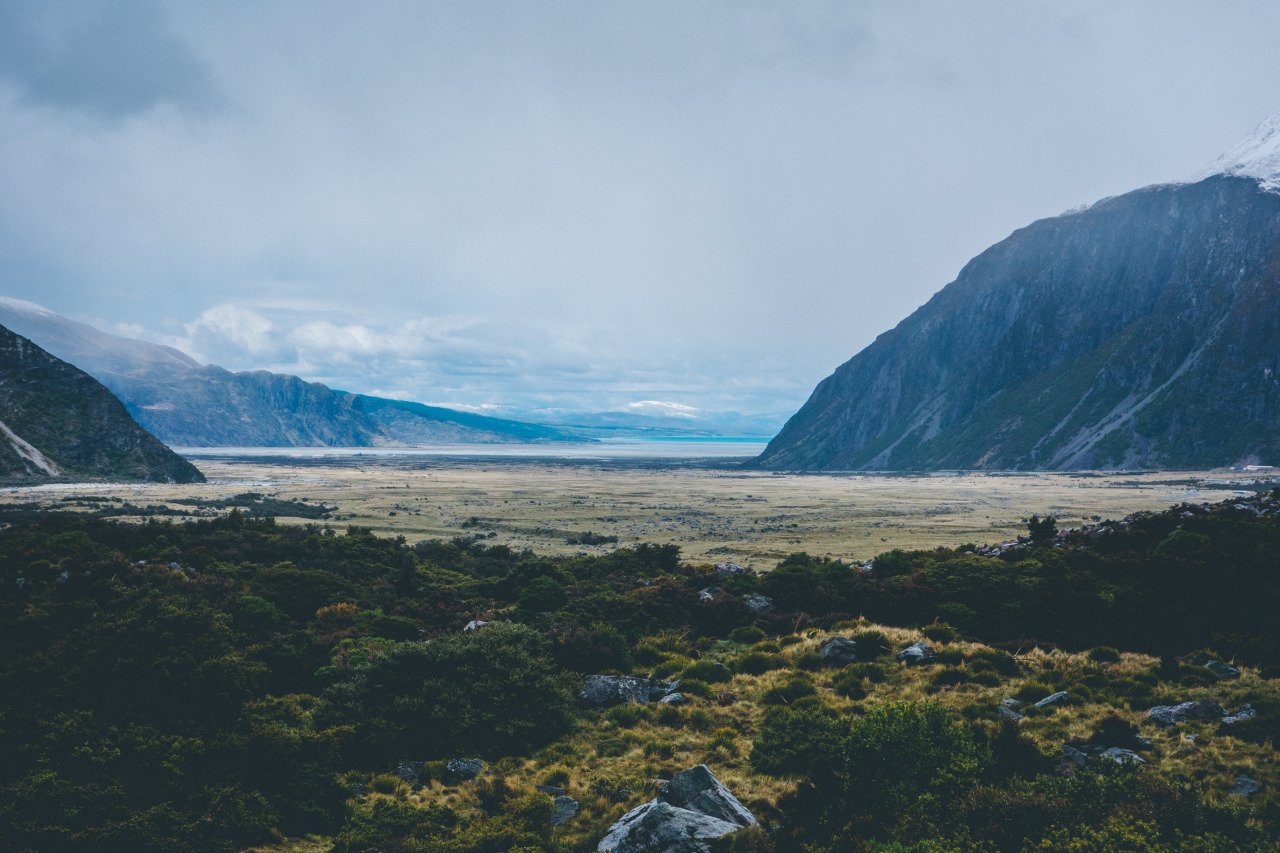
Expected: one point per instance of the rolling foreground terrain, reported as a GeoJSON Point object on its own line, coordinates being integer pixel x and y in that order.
{"type": "Point", "coordinates": [62, 424]}
{"type": "Point", "coordinates": [233, 683]}
{"type": "Point", "coordinates": [185, 403]}
{"type": "Point", "coordinates": [1140, 333]}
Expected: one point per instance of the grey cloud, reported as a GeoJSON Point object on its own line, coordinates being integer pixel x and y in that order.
{"type": "Point", "coordinates": [103, 58]}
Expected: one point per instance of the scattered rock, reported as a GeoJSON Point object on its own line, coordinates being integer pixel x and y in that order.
{"type": "Point", "coordinates": [1201, 709]}
{"type": "Point", "coordinates": [1222, 670]}
{"type": "Point", "coordinates": [1245, 786]}
{"type": "Point", "coordinates": [689, 811]}
{"type": "Point", "coordinates": [474, 625]}
{"type": "Point", "coordinates": [838, 651]}
{"type": "Point", "coordinates": [410, 771]}
{"type": "Point", "coordinates": [1008, 713]}
{"type": "Point", "coordinates": [566, 810]}
{"type": "Point", "coordinates": [603, 690]}
{"type": "Point", "coordinates": [1123, 756]}
{"type": "Point", "coordinates": [1011, 703]}
{"type": "Point", "coordinates": [673, 699]}
{"type": "Point", "coordinates": [1240, 715]}
{"type": "Point", "coordinates": [710, 594]}
{"type": "Point", "coordinates": [731, 569]}
{"type": "Point", "coordinates": [915, 653]}
{"type": "Point", "coordinates": [1059, 698]}
{"type": "Point", "coordinates": [464, 768]}
{"type": "Point", "coordinates": [757, 603]}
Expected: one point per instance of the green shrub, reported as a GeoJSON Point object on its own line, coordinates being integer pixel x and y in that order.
{"type": "Point", "coordinates": [992, 660]}
{"type": "Point", "coordinates": [628, 714]}
{"type": "Point", "coordinates": [710, 671]}
{"type": "Point", "coordinates": [757, 663]}
{"type": "Point", "coordinates": [695, 687]}
{"type": "Point", "coordinates": [947, 677]}
{"type": "Point", "coordinates": [746, 634]}
{"type": "Point", "coordinates": [797, 741]}
{"type": "Point", "coordinates": [871, 645]}
{"type": "Point", "coordinates": [808, 660]}
{"type": "Point", "coordinates": [940, 632]}
{"type": "Point", "coordinates": [794, 688]}
{"type": "Point", "coordinates": [849, 683]}
{"type": "Point", "coordinates": [1033, 691]}
{"type": "Point", "coordinates": [1104, 654]}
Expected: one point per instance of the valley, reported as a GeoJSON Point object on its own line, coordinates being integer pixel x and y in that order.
{"type": "Point", "coordinates": [711, 508]}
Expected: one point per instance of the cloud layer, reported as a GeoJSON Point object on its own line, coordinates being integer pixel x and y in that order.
{"type": "Point", "coordinates": [576, 204]}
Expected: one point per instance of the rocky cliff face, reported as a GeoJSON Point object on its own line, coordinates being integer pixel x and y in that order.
{"type": "Point", "coordinates": [57, 422]}
{"type": "Point", "coordinates": [1142, 332]}
{"type": "Point", "coordinates": [192, 405]}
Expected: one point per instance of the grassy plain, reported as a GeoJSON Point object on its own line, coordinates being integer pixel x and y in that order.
{"type": "Point", "coordinates": [713, 510]}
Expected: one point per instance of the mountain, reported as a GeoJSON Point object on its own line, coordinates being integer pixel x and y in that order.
{"type": "Point", "coordinates": [189, 404]}
{"type": "Point", "coordinates": [59, 423]}
{"type": "Point", "coordinates": [649, 417]}
{"type": "Point", "coordinates": [1140, 332]}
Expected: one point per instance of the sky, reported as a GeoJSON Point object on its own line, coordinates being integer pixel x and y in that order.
{"type": "Point", "coordinates": [534, 205]}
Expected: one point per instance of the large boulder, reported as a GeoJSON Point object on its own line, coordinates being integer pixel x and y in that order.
{"type": "Point", "coordinates": [1059, 698]}
{"type": "Point", "coordinates": [1222, 670]}
{"type": "Point", "coordinates": [566, 809]}
{"type": "Point", "coordinates": [730, 569]}
{"type": "Point", "coordinates": [1123, 756]}
{"type": "Point", "coordinates": [1242, 714]}
{"type": "Point", "coordinates": [1244, 786]}
{"type": "Point", "coordinates": [838, 651]}
{"type": "Point", "coordinates": [605, 690]}
{"type": "Point", "coordinates": [1201, 709]}
{"type": "Point", "coordinates": [689, 812]}
{"type": "Point", "coordinates": [915, 653]}
{"type": "Point", "coordinates": [462, 769]}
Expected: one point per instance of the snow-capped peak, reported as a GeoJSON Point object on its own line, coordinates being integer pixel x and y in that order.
{"type": "Point", "coordinates": [661, 408]}
{"type": "Point", "coordinates": [22, 305]}
{"type": "Point", "coordinates": [1257, 157]}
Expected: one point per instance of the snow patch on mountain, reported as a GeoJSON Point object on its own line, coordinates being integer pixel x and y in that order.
{"type": "Point", "coordinates": [1256, 157]}
{"type": "Point", "coordinates": [661, 408]}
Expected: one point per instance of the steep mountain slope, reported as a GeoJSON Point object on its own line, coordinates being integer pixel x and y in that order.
{"type": "Point", "coordinates": [1141, 332]}
{"type": "Point", "coordinates": [193, 405]}
{"type": "Point", "coordinates": [57, 422]}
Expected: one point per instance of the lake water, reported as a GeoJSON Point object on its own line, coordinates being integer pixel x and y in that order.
{"type": "Point", "coordinates": [719, 447]}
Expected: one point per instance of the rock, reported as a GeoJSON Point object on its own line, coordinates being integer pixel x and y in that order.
{"type": "Point", "coordinates": [474, 625]}
{"type": "Point", "coordinates": [1171, 715]}
{"type": "Point", "coordinates": [689, 811]}
{"type": "Point", "coordinates": [604, 690]}
{"type": "Point", "coordinates": [710, 594]}
{"type": "Point", "coordinates": [21, 582]}
{"type": "Point", "coordinates": [1075, 756]}
{"type": "Point", "coordinates": [838, 651]}
{"type": "Point", "coordinates": [1011, 703]}
{"type": "Point", "coordinates": [915, 653]}
{"type": "Point", "coordinates": [1123, 756]}
{"type": "Point", "coordinates": [1240, 715]}
{"type": "Point", "coordinates": [464, 768]}
{"type": "Point", "coordinates": [730, 569]}
{"type": "Point", "coordinates": [757, 603]}
{"type": "Point", "coordinates": [410, 771]}
{"type": "Point", "coordinates": [1245, 786]}
{"type": "Point", "coordinates": [1008, 713]}
{"type": "Point", "coordinates": [1052, 699]}
{"type": "Point", "coordinates": [673, 699]}
{"type": "Point", "coordinates": [1142, 743]}
{"type": "Point", "coordinates": [566, 810]}
{"type": "Point", "coordinates": [1222, 670]}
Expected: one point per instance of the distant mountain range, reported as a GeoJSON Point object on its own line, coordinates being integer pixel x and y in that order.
{"type": "Point", "coordinates": [60, 423]}
{"type": "Point", "coordinates": [1141, 332]}
{"type": "Point", "coordinates": [187, 404]}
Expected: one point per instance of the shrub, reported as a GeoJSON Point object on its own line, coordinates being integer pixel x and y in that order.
{"type": "Point", "coordinates": [1033, 691]}
{"type": "Point", "coordinates": [757, 663]}
{"type": "Point", "coordinates": [871, 644]}
{"type": "Point", "coordinates": [1104, 654]}
{"type": "Point", "coordinates": [940, 632]}
{"type": "Point", "coordinates": [947, 677]}
{"type": "Point", "coordinates": [695, 687]}
{"type": "Point", "coordinates": [794, 688]}
{"type": "Point", "coordinates": [796, 741]}
{"type": "Point", "coordinates": [628, 714]}
{"type": "Point", "coordinates": [710, 671]}
{"type": "Point", "coordinates": [747, 634]}
{"type": "Point", "coordinates": [849, 683]}
{"type": "Point", "coordinates": [994, 660]}
{"type": "Point", "coordinates": [808, 660]}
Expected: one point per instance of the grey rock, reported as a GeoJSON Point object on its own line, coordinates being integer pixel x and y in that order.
{"type": "Point", "coordinates": [474, 625]}
{"type": "Point", "coordinates": [1171, 715]}
{"type": "Point", "coordinates": [1245, 786]}
{"type": "Point", "coordinates": [689, 812]}
{"type": "Point", "coordinates": [464, 768]}
{"type": "Point", "coordinates": [1123, 756]}
{"type": "Point", "coordinates": [916, 653]}
{"type": "Point", "coordinates": [410, 771]}
{"type": "Point", "coordinates": [21, 582]}
{"type": "Point", "coordinates": [731, 569]}
{"type": "Point", "coordinates": [1011, 703]}
{"type": "Point", "coordinates": [758, 603]}
{"type": "Point", "coordinates": [838, 651]}
{"type": "Point", "coordinates": [1008, 713]}
{"type": "Point", "coordinates": [1052, 699]}
{"type": "Point", "coordinates": [1075, 756]}
{"type": "Point", "coordinates": [1222, 670]}
{"type": "Point", "coordinates": [710, 594]}
{"type": "Point", "coordinates": [566, 809]}
{"type": "Point", "coordinates": [604, 690]}
{"type": "Point", "coordinates": [1240, 715]}
{"type": "Point", "coordinates": [673, 699]}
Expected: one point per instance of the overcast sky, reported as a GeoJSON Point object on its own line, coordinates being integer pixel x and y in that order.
{"type": "Point", "coordinates": [577, 204]}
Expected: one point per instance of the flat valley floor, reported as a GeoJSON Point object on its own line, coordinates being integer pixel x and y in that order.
{"type": "Point", "coordinates": [713, 510]}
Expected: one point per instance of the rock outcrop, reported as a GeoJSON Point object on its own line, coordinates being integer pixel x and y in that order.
{"type": "Point", "coordinates": [690, 811]}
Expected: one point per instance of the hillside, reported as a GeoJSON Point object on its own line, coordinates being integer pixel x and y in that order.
{"type": "Point", "coordinates": [1141, 332]}
{"type": "Point", "coordinates": [188, 404]}
{"type": "Point", "coordinates": [59, 423]}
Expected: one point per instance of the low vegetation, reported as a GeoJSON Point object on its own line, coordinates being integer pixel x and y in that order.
{"type": "Point", "coordinates": [231, 683]}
